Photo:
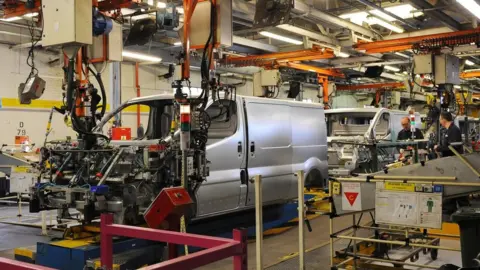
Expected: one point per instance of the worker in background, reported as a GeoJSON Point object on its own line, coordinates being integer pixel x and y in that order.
{"type": "Point", "coordinates": [406, 132]}
{"type": "Point", "coordinates": [452, 135]}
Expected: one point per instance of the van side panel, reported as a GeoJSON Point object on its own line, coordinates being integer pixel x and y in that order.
{"type": "Point", "coordinates": [309, 141]}
{"type": "Point", "coordinates": [270, 150]}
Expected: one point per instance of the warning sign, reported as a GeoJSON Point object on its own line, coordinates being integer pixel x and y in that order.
{"type": "Point", "coordinates": [400, 186]}
{"type": "Point", "coordinates": [351, 197]}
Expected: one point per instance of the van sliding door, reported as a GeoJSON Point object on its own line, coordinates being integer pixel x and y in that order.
{"type": "Point", "coordinates": [269, 148]}
{"type": "Point", "coordinates": [226, 152]}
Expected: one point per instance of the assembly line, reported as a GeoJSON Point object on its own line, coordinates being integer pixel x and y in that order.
{"type": "Point", "coordinates": [267, 134]}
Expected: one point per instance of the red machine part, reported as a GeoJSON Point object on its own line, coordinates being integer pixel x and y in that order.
{"type": "Point", "coordinates": [166, 210]}
{"type": "Point", "coordinates": [121, 134]}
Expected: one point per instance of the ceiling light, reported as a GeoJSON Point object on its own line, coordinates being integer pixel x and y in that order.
{"type": "Point", "coordinates": [142, 57]}
{"type": "Point", "coordinates": [402, 55]}
{"type": "Point", "coordinates": [457, 87]}
{"type": "Point", "coordinates": [150, 2]}
{"type": "Point", "coordinates": [11, 19]}
{"type": "Point", "coordinates": [469, 63]}
{"type": "Point", "coordinates": [281, 38]}
{"type": "Point", "coordinates": [403, 11]}
{"type": "Point", "coordinates": [30, 15]}
{"type": "Point", "coordinates": [178, 43]}
{"type": "Point", "coordinates": [394, 69]}
{"type": "Point", "coordinates": [180, 10]}
{"type": "Point", "coordinates": [343, 55]}
{"type": "Point", "coordinates": [405, 72]}
{"type": "Point", "coordinates": [161, 5]}
{"type": "Point", "coordinates": [394, 28]}
{"type": "Point", "coordinates": [471, 6]}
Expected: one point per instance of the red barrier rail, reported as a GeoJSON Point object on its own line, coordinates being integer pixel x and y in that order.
{"type": "Point", "coordinates": [215, 248]}
{"type": "Point", "coordinates": [7, 264]}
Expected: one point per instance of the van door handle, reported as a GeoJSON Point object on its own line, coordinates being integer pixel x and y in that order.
{"type": "Point", "coordinates": [239, 147]}
{"type": "Point", "coordinates": [243, 177]}
{"type": "Point", "coordinates": [252, 147]}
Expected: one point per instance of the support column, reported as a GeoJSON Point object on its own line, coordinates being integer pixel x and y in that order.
{"type": "Point", "coordinates": [115, 93]}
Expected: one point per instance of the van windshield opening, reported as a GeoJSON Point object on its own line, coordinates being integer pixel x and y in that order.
{"type": "Point", "coordinates": [348, 124]}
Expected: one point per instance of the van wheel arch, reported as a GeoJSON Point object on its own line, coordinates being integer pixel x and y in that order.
{"type": "Point", "coordinates": [314, 179]}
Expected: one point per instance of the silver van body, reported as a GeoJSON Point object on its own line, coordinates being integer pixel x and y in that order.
{"type": "Point", "coordinates": [268, 137]}
{"type": "Point", "coordinates": [349, 129]}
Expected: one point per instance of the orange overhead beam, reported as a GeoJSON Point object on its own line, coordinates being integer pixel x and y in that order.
{"type": "Point", "coordinates": [319, 71]}
{"type": "Point", "coordinates": [105, 5]}
{"type": "Point", "coordinates": [281, 55]}
{"type": "Point", "coordinates": [470, 74]}
{"type": "Point", "coordinates": [20, 10]}
{"type": "Point", "coordinates": [389, 49]}
{"type": "Point", "coordinates": [370, 86]}
{"type": "Point", "coordinates": [369, 46]}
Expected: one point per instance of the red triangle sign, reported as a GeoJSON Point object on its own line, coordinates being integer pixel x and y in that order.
{"type": "Point", "coordinates": [351, 197]}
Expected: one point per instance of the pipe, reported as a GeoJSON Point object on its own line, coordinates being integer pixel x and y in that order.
{"type": "Point", "coordinates": [398, 230]}
{"type": "Point", "coordinates": [395, 177]}
{"type": "Point", "coordinates": [137, 86]}
{"type": "Point", "coordinates": [399, 243]}
{"type": "Point", "coordinates": [366, 258]}
{"type": "Point", "coordinates": [462, 184]}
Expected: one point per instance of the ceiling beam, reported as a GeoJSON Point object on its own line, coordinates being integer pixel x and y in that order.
{"type": "Point", "coordinates": [254, 44]}
{"type": "Point", "coordinates": [424, 32]}
{"type": "Point", "coordinates": [300, 7]}
{"type": "Point", "coordinates": [311, 34]}
{"type": "Point", "coordinates": [360, 59]}
{"type": "Point", "coordinates": [436, 14]}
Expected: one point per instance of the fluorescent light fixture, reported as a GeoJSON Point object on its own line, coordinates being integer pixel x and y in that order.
{"type": "Point", "coordinates": [30, 15]}
{"type": "Point", "coordinates": [405, 72]}
{"type": "Point", "coordinates": [141, 57]}
{"type": "Point", "coordinates": [150, 2]}
{"type": "Point", "coordinates": [471, 6]}
{"type": "Point", "coordinates": [394, 28]}
{"type": "Point", "coordinates": [11, 19]}
{"type": "Point", "coordinates": [469, 63]}
{"type": "Point", "coordinates": [178, 43]}
{"type": "Point", "coordinates": [161, 5]}
{"type": "Point", "coordinates": [394, 69]}
{"type": "Point", "coordinates": [403, 11]}
{"type": "Point", "coordinates": [402, 55]}
{"type": "Point", "coordinates": [180, 10]}
{"type": "Point", "coordinates": [342, 54]}
{"type": "Point", "coordinates": [457, 87]}
{"type": "Point", "coordinates": [281, 38]}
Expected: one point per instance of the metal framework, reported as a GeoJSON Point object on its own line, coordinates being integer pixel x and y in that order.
{"type": "Point", "coordinates": [215, 248]}
{"type": "Point", "coordinates": [470, 74]}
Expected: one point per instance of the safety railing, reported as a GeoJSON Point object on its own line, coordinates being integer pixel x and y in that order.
{"type": "Point", "coordinates": [215, 248]}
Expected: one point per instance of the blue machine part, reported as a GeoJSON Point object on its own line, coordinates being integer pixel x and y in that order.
{"type": "Point", "coordinates": [102, 25]}
{"type": "Point", "coordinates": [67, 258]}
{"type": "Point", "coordinates": [99, 190]}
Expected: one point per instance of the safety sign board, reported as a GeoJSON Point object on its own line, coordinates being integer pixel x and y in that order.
{"type": "Point", "coordinates": [420, 207]}
{"type": "Point", "coordinates": [351, 197]}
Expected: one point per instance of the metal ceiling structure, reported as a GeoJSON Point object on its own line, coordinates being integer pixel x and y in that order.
{"type": "Point", "coordinates": [319, 23]}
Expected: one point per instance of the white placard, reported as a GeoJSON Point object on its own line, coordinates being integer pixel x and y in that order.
{"type": "Point", "coordinates": [351, 197]}
{"type": "Point", "coordinates": [413, 209]}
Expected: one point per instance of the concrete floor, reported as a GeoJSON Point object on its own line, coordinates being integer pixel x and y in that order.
{"type": "Point", "coordinates": [275, 248]}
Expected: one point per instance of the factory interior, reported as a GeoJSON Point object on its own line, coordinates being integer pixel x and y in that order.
{"type": "Point", "coordinates": [239, 134]}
